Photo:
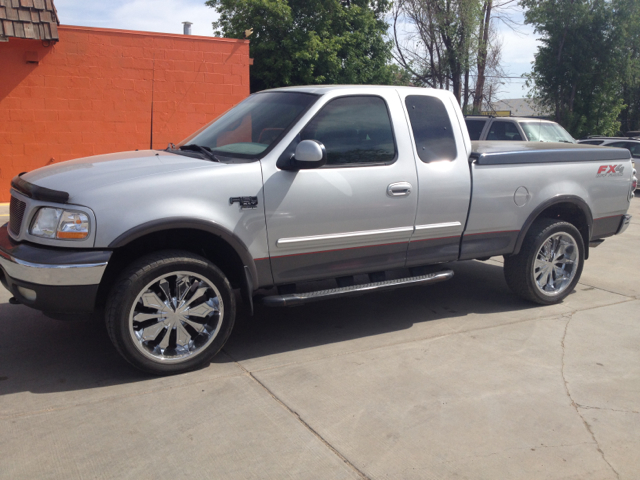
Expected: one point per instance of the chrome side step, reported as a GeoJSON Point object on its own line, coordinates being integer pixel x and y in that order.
{"type": "Point", "coordinates": [291, 299]}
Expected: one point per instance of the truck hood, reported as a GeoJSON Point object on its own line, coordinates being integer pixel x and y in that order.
{"type": "Point", "coordinates": [86, 174]}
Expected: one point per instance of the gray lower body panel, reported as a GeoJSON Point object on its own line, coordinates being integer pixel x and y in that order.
{"type": "Point", "coordinates": [480, 245]}
{"type": "Point", "coordinates": [606, 226]}
{"type": "Point", "coordinates": [433, 250]}
{"type": "Point", "coordinates": [337, 263]}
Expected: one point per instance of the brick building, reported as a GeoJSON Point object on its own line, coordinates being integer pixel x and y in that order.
{"type": "Point", "coordinates": [100, 90]}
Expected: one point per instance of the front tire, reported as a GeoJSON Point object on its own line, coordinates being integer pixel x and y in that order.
{"type": "Point", "coordinates": [549, 264]}
{"type": "Point", "coordinates": [170, 312]}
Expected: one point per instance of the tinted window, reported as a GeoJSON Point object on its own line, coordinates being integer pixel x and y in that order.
{"type": "Point", "coordinates": [431, 127]}
{"type": "Point", "coordinates": [254, 125]}
{"type": "Point", "coordinates": [592, 142]}
{"type": "Point", "coordinates": [354, 130]}
{"type": "Point", "coordinates": [634, 148]}
{"type": "Point", "coordinates": [500, 130]}
{"type": "Point", "coordinates": [475, 128]}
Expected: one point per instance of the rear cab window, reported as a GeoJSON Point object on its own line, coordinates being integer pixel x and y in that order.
{"type": "Point", "coordinates": [475, 128]}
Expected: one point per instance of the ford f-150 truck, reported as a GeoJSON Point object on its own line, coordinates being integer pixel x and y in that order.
{"type": "Point", "coordinates": [293, 186]}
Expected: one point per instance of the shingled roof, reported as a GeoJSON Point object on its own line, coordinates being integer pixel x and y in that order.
{"type": "Point", "coordinates": [36, 19]}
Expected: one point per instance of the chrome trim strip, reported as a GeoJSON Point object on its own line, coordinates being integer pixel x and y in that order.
{"type": "Point", "coordinates": [338, 236]}
{"type": "Point", "coordinates": [54, 275]}
{"type": "Point", "coordinates": [438, 225]}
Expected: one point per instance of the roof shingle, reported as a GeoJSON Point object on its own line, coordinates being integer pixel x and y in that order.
{"type": "Point", "coordinates": [36, 19]}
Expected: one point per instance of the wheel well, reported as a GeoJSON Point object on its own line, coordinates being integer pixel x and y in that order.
{"type": "Point", "coordinates": [573, 214]}
{"type": "Point", "coordinates": [206, 244]}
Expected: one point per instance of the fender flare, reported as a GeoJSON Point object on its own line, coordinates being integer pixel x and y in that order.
{"type": "Point", "coordinates": [533, 216]}
{"type": "Point", "coordinates": [180, 223]}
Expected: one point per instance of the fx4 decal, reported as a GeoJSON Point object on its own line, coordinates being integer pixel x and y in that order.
{"type": "Point", "coordinates": [245, 202]}
{"type": "Point", "coordinates": [610, 171]}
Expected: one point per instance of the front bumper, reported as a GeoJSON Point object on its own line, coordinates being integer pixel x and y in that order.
{"type": "Point", "coordinates": [57, 280]}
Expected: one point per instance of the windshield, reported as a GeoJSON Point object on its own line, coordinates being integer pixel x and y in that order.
{"type": "Point", "coordinates": [546, 132]}
{"type": "Point", "coordinates": [254, 125]}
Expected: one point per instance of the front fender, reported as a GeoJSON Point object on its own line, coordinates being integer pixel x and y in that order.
{"type": "Point", "coordinates": [259, 275]}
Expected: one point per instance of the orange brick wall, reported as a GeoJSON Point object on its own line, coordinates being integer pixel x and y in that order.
{"type": "Point", "coordinates": [91, 93]}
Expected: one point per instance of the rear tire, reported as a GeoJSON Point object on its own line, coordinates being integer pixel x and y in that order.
{"type": "Point", "coordinates": [549, 264]}
{"type": "Point", "coordinates": [170, 312]}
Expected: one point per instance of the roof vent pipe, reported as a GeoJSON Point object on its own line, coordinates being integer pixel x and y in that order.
{"type": "Point", "coordinates": [187, 27]}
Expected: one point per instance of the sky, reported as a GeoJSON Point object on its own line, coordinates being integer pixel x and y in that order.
{"type": "Point", "coordinates": [166, 16]}
{"type": "Point", "coordinates": [518, 50]}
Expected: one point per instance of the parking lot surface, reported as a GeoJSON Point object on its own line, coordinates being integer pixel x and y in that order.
{"type": "Point", "coordinates": [457, 380]}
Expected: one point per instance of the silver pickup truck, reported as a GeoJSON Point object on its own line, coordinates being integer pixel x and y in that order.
{"type": "Point", "coordinates": [290, 187]}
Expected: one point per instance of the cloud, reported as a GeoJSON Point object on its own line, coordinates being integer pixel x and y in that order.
{"type": "Point", "coordinates": [165, 16]}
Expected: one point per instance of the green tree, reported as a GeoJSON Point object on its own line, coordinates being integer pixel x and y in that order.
{"type": "Point", "coordinates": [576, 72]}
{"type": "Point", "coordinates": [628, 15]}
{"type": "Point", "coordinates": [306, 42]}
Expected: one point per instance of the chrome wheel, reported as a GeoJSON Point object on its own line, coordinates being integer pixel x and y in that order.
{"type": "Point", "coordinates": [556, 263]}
{"type": "Point", "coordinates": [176, 317]}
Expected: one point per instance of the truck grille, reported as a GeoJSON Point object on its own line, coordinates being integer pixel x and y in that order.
{"type": "Point", "coordinates": [16, 214]}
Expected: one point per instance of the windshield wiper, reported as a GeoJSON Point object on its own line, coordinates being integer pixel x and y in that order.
{"type": "Point", "coordinates": [206, 151]}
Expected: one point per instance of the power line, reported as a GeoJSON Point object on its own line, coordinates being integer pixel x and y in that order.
{"type": "Point", "coordinates": [496, 76]}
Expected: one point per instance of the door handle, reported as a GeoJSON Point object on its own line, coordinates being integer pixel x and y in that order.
{"type": "Point", "coordinates": [399, 189]}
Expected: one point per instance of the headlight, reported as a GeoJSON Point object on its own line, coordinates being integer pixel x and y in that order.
{"type": "Point", "coordinates": [62, 224]}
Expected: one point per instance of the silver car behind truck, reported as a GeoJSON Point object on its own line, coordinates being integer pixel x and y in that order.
{"type": "Point", "coordinates": [290, 187]}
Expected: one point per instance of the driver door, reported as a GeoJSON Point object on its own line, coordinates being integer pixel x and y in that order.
{"type": "Point", "coordinates": [356, 213]}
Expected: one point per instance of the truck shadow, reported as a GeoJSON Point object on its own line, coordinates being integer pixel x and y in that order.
{"type": "Point", "coordinates": [41, 355]}
{"type": "Point", "coordinates": [477, 288]}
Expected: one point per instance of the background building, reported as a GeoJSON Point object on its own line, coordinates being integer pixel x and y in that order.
{"type": "Point", "coordinates": [69, 92]}
{"type": "Point", "coordinates": [519, 107]}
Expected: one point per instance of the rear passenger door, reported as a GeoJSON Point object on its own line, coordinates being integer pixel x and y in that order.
{"type": "Point", "coordinates": [444, 182]}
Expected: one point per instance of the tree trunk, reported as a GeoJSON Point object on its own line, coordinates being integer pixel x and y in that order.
{"type": "Point", "coordinates": [466, 90]}
{"type": "Point", "coordinates": [483, 47]}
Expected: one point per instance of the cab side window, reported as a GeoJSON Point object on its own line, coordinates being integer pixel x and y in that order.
{"type": "Point", "coordinates": [354, 131]}
{"type": "Point", "coordinates": [501, 130]}
{"type": "Point", "coordinates": [431, 128]}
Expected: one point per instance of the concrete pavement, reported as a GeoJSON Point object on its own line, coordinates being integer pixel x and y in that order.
{"type": "Point", "coordinates": [458, 380]}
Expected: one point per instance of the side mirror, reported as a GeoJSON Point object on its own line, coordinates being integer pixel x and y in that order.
{"type": "Point", "coordinates": [308, 154]}
{"type": "Point", "coordinates": [310, 151]}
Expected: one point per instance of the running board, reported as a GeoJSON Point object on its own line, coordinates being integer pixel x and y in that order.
{"type": "Point", "coordinates": [292, 299]}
